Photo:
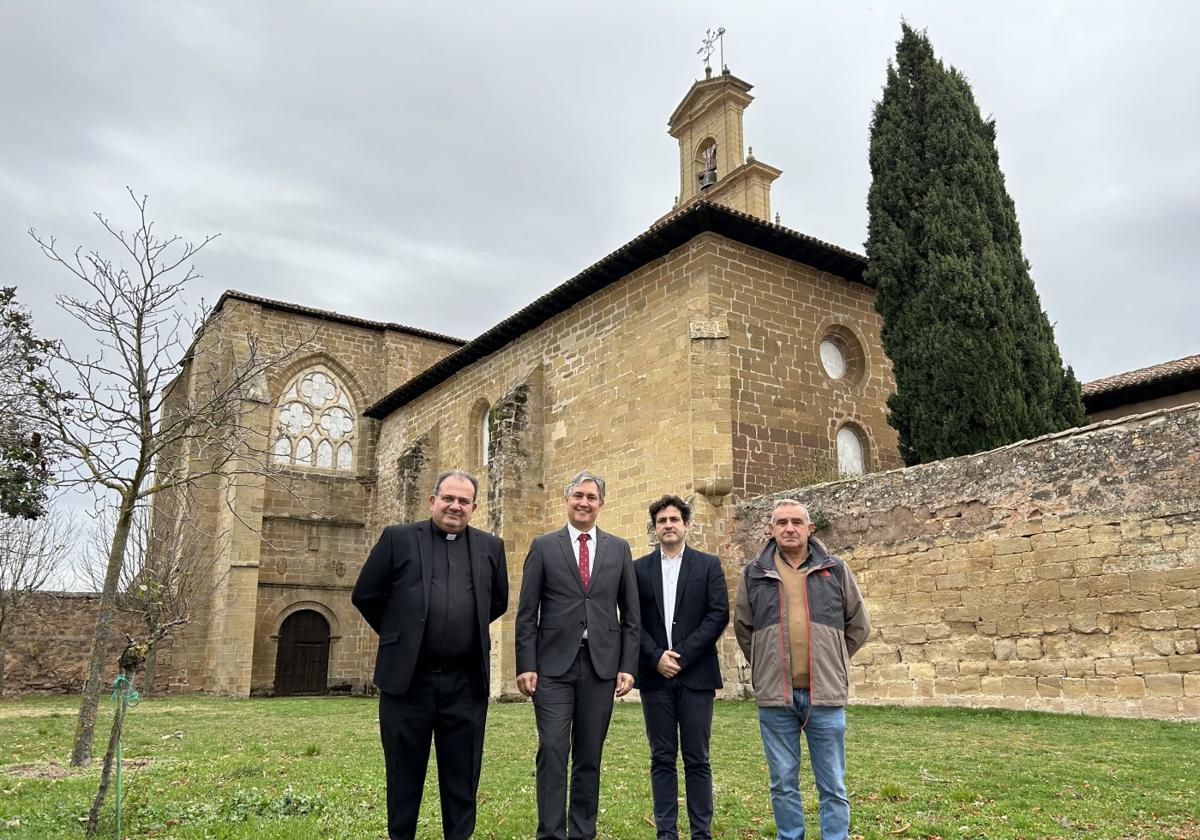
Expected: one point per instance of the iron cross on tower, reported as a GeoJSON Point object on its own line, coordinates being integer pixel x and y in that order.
{"type": "Point", "coordinates": [706, 48]}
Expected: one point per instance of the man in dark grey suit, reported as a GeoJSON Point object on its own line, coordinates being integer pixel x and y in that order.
{"type": "Point", "coordinates": [577, 647]}
{"type": "Point", "coordinates": [430, 589]}
{"type": "Point", "coordinates": [685, 607]}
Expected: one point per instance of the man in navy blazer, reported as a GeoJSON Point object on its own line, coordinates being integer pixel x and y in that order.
{"type": "Point", "coordinates": [685, 607]}
{"type": "Point", "coordinates": [577, 649]}
{"type": "Point", "coordinates": [430, 589]}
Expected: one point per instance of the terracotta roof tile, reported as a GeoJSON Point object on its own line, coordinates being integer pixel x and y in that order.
{"type": "Point", "coordinates": [1143, 376]}
{"type": "Point", "coordinates": [1148, 383]}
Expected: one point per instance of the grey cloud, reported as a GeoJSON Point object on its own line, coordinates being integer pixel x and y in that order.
{"type": "Point", "coordinates": [443, 167]}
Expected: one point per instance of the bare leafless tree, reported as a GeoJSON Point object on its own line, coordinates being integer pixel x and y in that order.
{"type": "Point", "coordinates": [124, 430]}
{"type": "Point", "coordinates": [31, 552]}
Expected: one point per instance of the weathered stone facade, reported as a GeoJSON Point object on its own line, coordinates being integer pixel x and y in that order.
{"type": "Point", "coordinates": [687, 361]}
{"type": "Point", "coordinates": [719, 357]}
{"type": "Point", "coordinates": [786, 409]}
{"type": "Point", "coordinates": [294, 543]}
{"type": "Point", "coordinates": [648, 382]}
{"type": "Point", "coordinates": [1060, 574]}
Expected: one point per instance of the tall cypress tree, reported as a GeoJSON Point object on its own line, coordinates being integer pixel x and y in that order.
{"type": "Point", "coordinates": [973, 352]}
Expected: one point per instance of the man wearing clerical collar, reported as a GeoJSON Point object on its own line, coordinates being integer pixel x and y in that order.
{"type": "Point", "coordinates": [430, 589]}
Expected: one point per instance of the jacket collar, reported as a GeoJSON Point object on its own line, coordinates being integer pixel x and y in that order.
{"type": "Point", "coordinates": [817, 554]}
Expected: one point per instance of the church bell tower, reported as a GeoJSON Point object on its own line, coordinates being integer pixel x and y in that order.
{"type": "Point", "coordinates": [713, 165]}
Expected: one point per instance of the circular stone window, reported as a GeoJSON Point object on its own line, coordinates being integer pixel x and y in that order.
{"type": "Point", "coordinates": [833, 360]}
{"type": "Point", "coordinates": [842, 355]}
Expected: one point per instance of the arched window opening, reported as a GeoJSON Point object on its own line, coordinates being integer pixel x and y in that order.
{"type": "Point", "coordinates": [706, 163]}
{"type": "Point", "coordinates": [316, 423]}
{"type": "Point", "coordinates": [485, 437]}
{"type": "Point", "coordinates": [479, 434]}
{"type": "Point", "coordinates": [851, 451]}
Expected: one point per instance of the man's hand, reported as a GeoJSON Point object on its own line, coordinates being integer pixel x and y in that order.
{"type": "Point", "coordinates": [624, 684]}
{"type": "Point", "coordinates": [527, 683]}
{"type": "Point", "coordinates": [668, 664]}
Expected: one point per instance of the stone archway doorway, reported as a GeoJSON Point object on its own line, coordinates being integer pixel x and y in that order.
{"type": "Point", "coordinates": [302, 660]}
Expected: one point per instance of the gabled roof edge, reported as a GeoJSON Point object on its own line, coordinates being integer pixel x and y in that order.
{"type": "Point", "coordinates": [662, 238]}
{"type": "Point", "coordinates": [329, 315]}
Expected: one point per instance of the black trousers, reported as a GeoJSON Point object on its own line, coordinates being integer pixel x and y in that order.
{"type": "Point", "coordinates": [678, 716]}
{"type": "Point", "coordinates": [443, 707]}
{"type": "Point", "coordinates": [572, 711]}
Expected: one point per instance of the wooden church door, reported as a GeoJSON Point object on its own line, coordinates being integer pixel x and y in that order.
{"type": "Point", "coordinates": [302, 662]}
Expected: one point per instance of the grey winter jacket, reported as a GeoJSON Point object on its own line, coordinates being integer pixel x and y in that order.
{"type": "Point", "coordinates": [837, 627]}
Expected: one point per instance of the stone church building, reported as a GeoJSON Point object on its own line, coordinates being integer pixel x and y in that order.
{"type": "Point", "coordinates": [718, 355]}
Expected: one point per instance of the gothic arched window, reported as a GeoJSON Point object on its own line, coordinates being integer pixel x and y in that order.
{"type": "Point", "coordinates": [316, 424]}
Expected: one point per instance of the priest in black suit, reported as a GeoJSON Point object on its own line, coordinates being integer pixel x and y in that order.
{"type": "Point", "coordinates": [684, 609]}
{"type": "Point", "coordinates": [430, 589]}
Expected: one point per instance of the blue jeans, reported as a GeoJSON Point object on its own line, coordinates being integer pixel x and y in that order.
{"type": "Point", "coordinates": [825, 729]}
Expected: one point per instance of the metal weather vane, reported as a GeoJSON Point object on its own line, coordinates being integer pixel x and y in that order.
{"type": "Point", "coordinates": [710, 39]}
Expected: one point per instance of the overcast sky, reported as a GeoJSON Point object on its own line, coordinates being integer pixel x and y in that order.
{"type": "Point", "coordinates": [441, 165]}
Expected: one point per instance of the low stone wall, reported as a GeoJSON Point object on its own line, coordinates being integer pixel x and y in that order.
{"type": "Point", "coordinates": [47, 650]}
{"type": "Point", "coordinates": [1060, 574]}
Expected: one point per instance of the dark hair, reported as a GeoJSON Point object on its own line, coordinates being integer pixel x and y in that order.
{"type": "Point", "coordinates": [685, 510]}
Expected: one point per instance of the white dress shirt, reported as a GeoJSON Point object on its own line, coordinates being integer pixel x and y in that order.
{"type": "Point", "coordinates": [670, 580]}
{"type": "Point", "coordinates": [575, 532]}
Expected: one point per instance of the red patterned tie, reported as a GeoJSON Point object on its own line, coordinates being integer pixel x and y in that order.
{"type": "Point", "coordinates": [584, 572]}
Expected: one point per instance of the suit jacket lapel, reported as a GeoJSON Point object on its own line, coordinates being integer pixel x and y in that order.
{"type": "Point", "coordinates": [599, 556]}
{"type": "Point", "coordinates": [425, 549]}
{"type": "Point", "coordinates": [685, 572]}
{"type": "Point", "coordinates": [564, 542]}
{"type": "Point", "coordinates": [657, 584]}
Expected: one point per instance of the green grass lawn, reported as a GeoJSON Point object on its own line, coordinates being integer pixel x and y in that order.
{"type": "Point", "coordinates": [288, 769]}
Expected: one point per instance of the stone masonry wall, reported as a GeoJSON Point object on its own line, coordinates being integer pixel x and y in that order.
{"type": "Point", "coordinates": [610, 402]}
{"type": "Point", "coordinates": [48, 647]}
{"type": "Point", "coordinates": [786, 409]}
{"type": "Point", "coordinates": [1060, 574]}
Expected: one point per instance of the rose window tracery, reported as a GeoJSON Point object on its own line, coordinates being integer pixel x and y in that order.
{"type": "Point", "coordinates": [316, 424]}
